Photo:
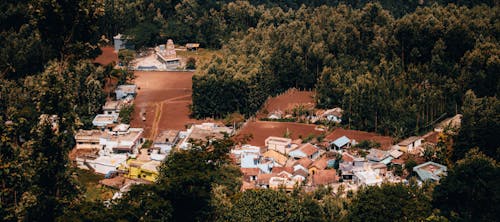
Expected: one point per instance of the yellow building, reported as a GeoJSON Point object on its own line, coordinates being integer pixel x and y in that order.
{"type": "Point", "coordinates": [143, 170]}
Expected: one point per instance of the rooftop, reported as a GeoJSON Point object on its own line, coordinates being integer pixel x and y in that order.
{"type": "Point", "coordinates": [112, 105]}
{"type": "Point", "coordinates": [430, 171]}
{"type": "Point", "coordinates": [129, 89]}
{"type": "Point", "coordinates": [308, 149]}
{"type": "Point", "coordinates": [385, 141]}
{"type": "Point", "coordinates": [324, 177]}
{"type": "Point", "coordinates": [88, 135]}
{"type": "Point", "coordinates": [105, 118]}
{"type": "Point", "coordinates": [409, 140]}
{"type": "Point", "coordinates": [275, 139]}
{"type": "Point", "coordinates": [167, 136]}
{"type": "Point", "coordinates": [278, 157]}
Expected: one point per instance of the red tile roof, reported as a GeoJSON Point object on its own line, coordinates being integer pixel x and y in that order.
{"type": "Point", "coordinates": [385, 141]}
{"type": "Point", "coordinates": [320, 163]}
{"type": "Point", "coordinates": [305, 162]}
{"type": "Point", "coordinates": [281, 169]}
{"type": "Point", "coordinates": [324, 177]}
{"type": "Point", "coordinates": [250, 171]}
{"type": "Point", "coordinates": [308, 149]}
{"type": "Point", "coordinates": [264, 178]}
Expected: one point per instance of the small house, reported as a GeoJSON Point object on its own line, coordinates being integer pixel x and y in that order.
{"type": "Point", "coordinates": [306, 150]}
{"type": "Point", "coordinates": [279, 144]}
{"type": "Point", "coordinates": [324, 177]}
{"type": "Point", "coordinates": [430, 171]}
{"type": "Point", "coordinates": [103, 120]}
{"type": "Point", "coordinates": [410, 144]}
{"type": "Point", "coordinates": [112, 107]}
{"type": "Point", "coordinates": [123, 91]}
{"type": "Point", "coordinates": [166, 140]}
{"type": "Point", "coordinates": [341, 143]}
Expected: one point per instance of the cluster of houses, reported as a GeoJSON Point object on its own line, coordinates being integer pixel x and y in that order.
{"type": "Point", "coordinates": [341, 158]}
{"type": "Point", "coordinates": [330, 115]}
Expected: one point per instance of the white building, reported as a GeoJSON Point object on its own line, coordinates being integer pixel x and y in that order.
{"type": "Point", "coordinates": [123, 91]}
{"type": "Point", "coordinates": [166, 140]}
{"type": "Point", "coordinates": [202, 132]}
{"type": "Point", "coordinates": [279, 144]}
{"type": "Point", "coordinates": [102, 120]}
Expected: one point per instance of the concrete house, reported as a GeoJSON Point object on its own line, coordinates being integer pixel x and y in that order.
{"type": "Point", "coordinates": [410, 144]}
{"type": "Point", "coordinates": [430, 171]}
{"type": "Point", "coordinates": [166, 140]}
{"type": "Point", "coordinates": [88, 139]}
{"type": "Point", "coordinates": [122, 91]}
{"type": "Point", "coordinates": [103, 120]}
{"type": "Point", "coordinates": [306, 150]}
{"type": "Point", "coordinates": [122, 139]}
{"type": "Point", "coordinates": [112, 107]}
{"type": "Point", "coordinates": [279, 144]}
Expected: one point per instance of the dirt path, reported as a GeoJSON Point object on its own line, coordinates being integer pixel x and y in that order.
{"type": "Point", "coordinates": [158, 113]}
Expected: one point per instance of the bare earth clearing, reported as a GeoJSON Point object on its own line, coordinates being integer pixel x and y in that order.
{"type": "Point", "coordinates": [287, 101]}
{"type": "Point", "coordinates": [165, 98]}
{"type": "Point", "coordinates": [260, 130]}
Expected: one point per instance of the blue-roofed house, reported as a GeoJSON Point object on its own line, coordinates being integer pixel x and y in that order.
{"type": "Point", "coordinates": [430, 171]}
{"type": "Point", "coordinates": [341, 143]}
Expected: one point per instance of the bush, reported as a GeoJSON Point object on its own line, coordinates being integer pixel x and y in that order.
{"type": "Point", "coordinates": [126, 114]}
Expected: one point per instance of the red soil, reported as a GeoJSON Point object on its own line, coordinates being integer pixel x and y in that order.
{"type": "Point", "coordinates": [108, 56]}
{"type": "Point", "coordinates": [288, 100]}
{"type": "Point", "coordinates": [164, 97]}
{"type": "Point", "coordinates": [260, 130]}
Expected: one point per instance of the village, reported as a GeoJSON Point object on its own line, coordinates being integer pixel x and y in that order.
{"type": "Point", "coordinates": [292, 144]}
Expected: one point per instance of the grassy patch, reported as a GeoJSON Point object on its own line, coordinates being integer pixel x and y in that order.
{"type": "Point", "coordinates": [201, 55]}
{"type": "Point", "coordinates": [93, 190]}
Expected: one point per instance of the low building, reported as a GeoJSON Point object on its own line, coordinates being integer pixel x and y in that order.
{"type": "Point", "coordinates": [204, 132]}
{"type": "Point", "coordinates": [324, 178]}
{"type": "Point", "coordinates": [341, 143]}
{"type": "Point", "coordinates": [192, 46]}
{"type": "Point", "coordinates": [410, 144]}
{"type": "Point", "coordinates": [122, 140]}
{"type": "Point", "coordinates": [355, 137]}
{"type": "Point", "coordinates": [112, 107]}
{"type": "Point", "coordinates": [379, 156]}
{"type": "Point", "coordinates": [166, 140]}
{"type": "Point", "coordinates": [88, 139]}
{"type": "Point", "coordinates": [306, 150]}
{"type": "Point", "coordinates": [333, 115]}
{"type": "Point", "coordinates": [276, 157]}
{"type": "Point", "coordinates": [122, 91]}
{"type": "Point", "coordinates": [102, 164]}
{"type": "Point", "coordinates": [430, 171]}
{"type": "Point", "coordinates": [103, 120]}
{"type": "Point", "coordinates": [367, 178]}
{"type": "Point", "coordinates": [120, 42]}
{"type": "Point", "coordinates": [143, 170]}
{"type": "Point", "coordinates": [279, 144]}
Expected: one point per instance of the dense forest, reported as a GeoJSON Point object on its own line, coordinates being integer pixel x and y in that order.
{"type": "Point", "coordinates": [394, 66]}
{"type": "Point", "coordinates": [396, 76]}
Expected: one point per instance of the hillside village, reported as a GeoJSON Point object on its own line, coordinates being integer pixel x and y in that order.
{"type": "Point", "coordinates": [327, 156]}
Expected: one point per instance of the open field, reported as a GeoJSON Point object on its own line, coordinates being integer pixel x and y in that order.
{"type": "Point", "coordinates": [260, 130]}
{"type": "Point", "coordinates": [287, 101]}
{"type": "Point", "coordinates": [164, 97]}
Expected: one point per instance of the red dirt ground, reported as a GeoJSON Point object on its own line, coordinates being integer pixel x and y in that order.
{"type": "Point", "coordinates": [288, 100]}
{"type": "Point", "coordinates": [108, 56]}
{"type": "Point", "coordinates": [260, 130]}
{"type": "Point", "coordinates": [165, 97]}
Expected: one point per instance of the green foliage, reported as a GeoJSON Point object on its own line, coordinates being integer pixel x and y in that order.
{"type": "Point", "coordinates": [367, 144]}
{"type": "Point", "coordinates": [126, 56]}
{"type": "Point", "coordinates": [480, 126]}
{"type": "Point", "coordinates": [191, 63]}
{"type": "Point", "coordinates": [390, 202]}
{"type": "Point", "coordinates": [126, 113]}
{"type": "Point", "coordinates": [188, 176]}
{"type": "Point", "coordinates": [470, 191]}
{"type": "Point", "coordinates": [147, 144]}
